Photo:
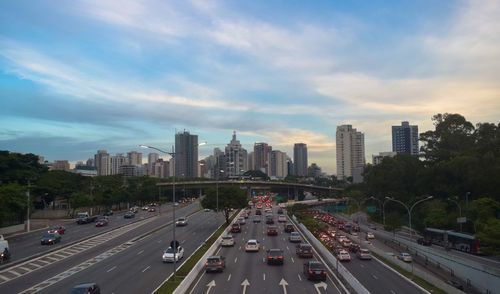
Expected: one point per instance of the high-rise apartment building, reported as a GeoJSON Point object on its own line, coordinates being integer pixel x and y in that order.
{"type": "Point", "coordinates": [116, 163]}
{"type": "Point", "coordinates": [235, 158]}
{"type": "Point", "coordinates": [300, 159]}
{"type": "Point", "coordinates": [251, 162]}
{"type": "Point", "coordinates": [61, 165]}
{"type": "Point", "coordinates": [377, 159]}
{"type": "Point", "coordinates": [134, 158]}
{"type": "Point", "coordinates": [261, 152]}
{"type": "Point", "coordinates": [152, 159]}
{"type": "Point", "coordinates": [278, 164]}
{"type": "Point", "coordinates": [186, 155]}
{"type": "Point", "coordinates": [405, 139]}
{"type": "Point", "coordinates": [314, 171]}
{"type": "Point", "coordinates": [350, 153]}
{"type": "Point", "coordinates": [102, 162]}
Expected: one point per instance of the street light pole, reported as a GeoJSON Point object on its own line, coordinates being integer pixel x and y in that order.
{"type": "Point", "coordinates": [382, 204]}
{"type": "Point", "coordinates": [28, 225]}
{"type": "Point", "coordinates": [459, 210]}
{"type": "Point", "coordinates": [409, 209]}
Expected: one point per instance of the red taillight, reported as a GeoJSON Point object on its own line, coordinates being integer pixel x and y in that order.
{"type": "Point", "coordinates": [206, 263]}
{"type": "Point", "coordinates": [280, 257]}
{"type": "Point", "coordinates": [311, 272]}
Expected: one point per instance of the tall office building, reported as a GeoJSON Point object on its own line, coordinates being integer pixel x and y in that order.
{"type": "Point", "coordinates": [278, 166]}
{"type": "Point", "coordinates": [186, 155]}
{"type": "Point", "coordinates": [102, 162]}
{"type": "Point", "coordinates": [300, 159]}
{"type": "Point", "coordinates": [134, 158]}
{"type": "Point", "coordinates": [251, 162]}
{"type": "Point", "coordinates": [405, 139]}
{"type": "Point", "coordinates": [350, 153]}
{"type": "Point", "coordinates": [236, 158]}
{"type": "Point", "coordinates": [152, 159]}
{"type": "Point", "coordinates": [116, 163]}
{"type": "Point", "coordinates": [261, 152]}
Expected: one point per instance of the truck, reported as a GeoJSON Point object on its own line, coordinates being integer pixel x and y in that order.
{"type": "Point", "coordinates": [85, 218]}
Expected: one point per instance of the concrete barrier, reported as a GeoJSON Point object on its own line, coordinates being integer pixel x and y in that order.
{"type": "Point", "coordinates": [12, 229]}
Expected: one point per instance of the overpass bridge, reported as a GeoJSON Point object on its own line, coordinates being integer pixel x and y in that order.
{"type": "Point", "coordinates": [291, 189]}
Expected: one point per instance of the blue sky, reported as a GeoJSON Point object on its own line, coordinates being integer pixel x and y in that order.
{"type": "Point", "coordinates": [77, 76]}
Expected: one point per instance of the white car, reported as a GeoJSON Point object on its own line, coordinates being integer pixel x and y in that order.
{"type": "Point", "coordinates": [370, 235]}
{"type": "Point", "coordinates": [169, 256]}
{"type": "Point", "coordinates": [145, 208]}
{"type": "Point", "coordinates": [182, 221]}
{"type": "Point", "coordinates": [344, 255]}
{"type": "Point", "coordinates": [252, 245]}
{"type": "Point", "coordinates": [227, 240]}
{"type": "Point", "coordinates": [241, 220]}
{"type": "Point", "coordinates": [406, 257]}
{"type": "Point", "coordinates": [282, 219]}
{"type": "Point", "coordinates": [294, 237]}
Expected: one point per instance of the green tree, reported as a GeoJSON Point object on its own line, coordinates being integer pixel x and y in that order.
{"type": "Point", "coordinates": [490, 236]}
{"type": "Point", "coordinates": [13, 203]}
{"type": "Point", "coordinates": [393, 221]}
{"type": "Point", "coordinates": [229, 198]}
{"type": "Point", "coordinates": [19, 168]}
{"type": "Point", "coordinates": [58, 184]}
{"type": "Point", "coordinates": [79, 199]}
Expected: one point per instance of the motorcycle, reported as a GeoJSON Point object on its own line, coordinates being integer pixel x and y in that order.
{"type": "Point", "coordinates": [4, 257]}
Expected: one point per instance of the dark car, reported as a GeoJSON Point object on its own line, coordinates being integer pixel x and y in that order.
{"type": "Point", "coordinates": [280, 211]}
{"type": "Point", "coordinates": [258, 212]}
{"type": "Point", "coordinates": [304, 250]}
{"type": "Point", "coordinates": [269, 220]}
{"type": "Point", "coordinates": [455, 284]}
{"type": "Point", "coordinates": [50, 239]}
{"type": "Point", "coordinates": [289, 228]}
{"type": "Point", "coordinates": [424, 242]}
{"type": "Point", "coordinates": [88, 288]}
{"type": "Point", "coordinates": [108, 212]}
{"type": "Point", "coordinates": [129, 214]}
{"type": "Point", "coordinates": [57, 229]}
{"type": "Point", "coordinates": [354, 247]}
{"type": "Point", "coordinates": [236, 228]}
{"type": "Point", "coordinates": [101, 222]}
{"type": "Point", "coordinates": [314, 270]}
{"type": "Point", "coordinates": [275, 256]}
{"type": "Point", "coordinates": [272, 231]}
{"type": "Point", "coordinates": [215, 264]}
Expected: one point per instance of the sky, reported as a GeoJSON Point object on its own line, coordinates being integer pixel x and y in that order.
{"type": "Point", "coordinates": [78, 76]}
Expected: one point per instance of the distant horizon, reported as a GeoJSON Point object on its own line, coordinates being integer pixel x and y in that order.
{"type": "Point", "coordinates": [80, 76]}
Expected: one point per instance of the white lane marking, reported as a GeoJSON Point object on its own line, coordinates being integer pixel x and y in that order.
{"type": "Point", "coordinates": [293, 260]}
{"type": "Point", "coordinates": [362, 266]}
{"type": "Point", "coordinates": [146, 268]}
{"type": "Point", "coordinates": [392, 292]}
{"type": "Point", "coordinates": [300, 278]}
{"type": "Point", "coordinates": [183, 241]}
{"type": "Point", "coordinates": [287, 248]}
{"type": "Point", "coordinates": [111, 269]}
{"type": "Point", "coordinates": [239, 248]}
{"type": "Point", "coordinates": [4, 278]}
{"type": "Point", "coordinates": [229, 278]}
{"type": "Point", "coordinates": [159, 241]}
{"type": "Point", "coordinates": [140, 252]}
{"type": "Point", "coordinates": [263, 259]}
{"type": "Point", "coordinates": [35, 265]}
{"type": "Point", "coordinates": [25, 269]}
{"type": "Point", "coordinates": [375, 277]}
{"type": "Point", "coordinates": [236, 259]}
{"type": "Point", "coordinates": [264, 276]}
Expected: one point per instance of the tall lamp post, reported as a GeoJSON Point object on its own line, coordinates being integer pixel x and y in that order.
{"type": "Point", "coordinates": [409, 209]}
{"type": "Point", "coordinates": [382, 204]}
{"type": "Point", "coordinates": [217, 191]}
{"type": "Point", "coordinates": [459, 210]}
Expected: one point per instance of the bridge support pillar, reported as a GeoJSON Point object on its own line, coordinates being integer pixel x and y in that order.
{"type": "Point", "coordinates": [296, 194]}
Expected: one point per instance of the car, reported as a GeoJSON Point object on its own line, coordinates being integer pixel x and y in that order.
{"type": "Point", "coordinates": [245, 215]}
{"type": "Point", "coordinates": [145, 208]}
{"type": "Point", "coordinates": [275, 256]}
{"type": "Point", "coordinates": [370, 235]}
{"type": "Point", "coordinates": [258, 212]}
{"type": "Point", "coordinates": [424, 242]}
{"type": "Point", "coordinates": [405, 256]}
{"type": "Point", "coordinates": [343, 255]}
{"type": "Point", "coordinates": [269, 220]}
{"type": "Point", "coordinates": [108, 212]}
{"type": "Point", "coordinates": [241, 221]}
{"type": "Point", "coordinates": [289, 228]}
{"type": "Point", "coordinates": [363, 253]}
{"type": "Point", "coordinates": [50, 239]}
{"type": "Point", "coordinates": [235, 228]}
{"type": "Point", "coordinates": [207, 209]}
{"type": "Point", "coordinates": [227, 240]}
{"type": "Point", "coordinates": [282, 219]}
{"type": "Point", "coordinates": [176, 204]}
{"type": "Point", "coordinates": [57, 229]}
{"type": "Point", "coordinates": [134, 209]}
{"type": "Point", "coordinates": [87, 288]}
{"type": "Point", "coordinates": [294, 237]}
{"type": "Point", "coordinates": [169, 256]}
{"type": "Point", "coordinates": [101, 222]}
{"type": "Point", "coordinates": [272, 231]}
{"type": "Point", "coordinates": [354, 234]}
{"type": "Point", "coordinates": [346, 243]}
{"type": "Point", "coordinates": [151, 209]}
{"type": "Point", "coordinates": [256, 219]}
{"type": "Point", "coordinates": [372, 226]}
{"type": "Point", "coordinates": [315, 270]}
{"type": "Point", "coordinates": [304, 250]}
{"type": "Point", "coordinates": [280, 211]}
{"type": "Point", "coordinates": [354, 247]}
{"type": "Point", "coordinates": [129, 214]}
{"type": "Point", "coordinates": [181, 221]}
{"type": "Point", "coordinates": [455, 284]}
{"type": "Point", "coordinates": [252, 245]}
{"type": "Point", "coordinates": [215, 263]}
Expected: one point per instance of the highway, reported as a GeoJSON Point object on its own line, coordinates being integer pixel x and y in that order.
{"type": "Point", "coordinates": [244, 266]}
{"type": "Point", "coordinates": [118, 264]}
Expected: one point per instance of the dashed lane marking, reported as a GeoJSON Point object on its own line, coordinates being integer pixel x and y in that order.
{"type": "Point", "coordinates": [111, 269]}
{"type": "Point", "coordinates": [293, 260]}
{"type": "Point", "coordinates": [300, 278]}
{"type": "Point", "coordinates": [146, 268]}
{"type": "Point", "coordinates": [140, 252]}
{"type": "Point", "coordinates": [264, 276]}
{"type": "Point", "coordinates": [236, 259]}
{"type": "Point", "coordinates": [229, 278]}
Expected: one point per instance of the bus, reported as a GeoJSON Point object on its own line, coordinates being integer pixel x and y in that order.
{"type": "Point", "coordinates": [453, 240]}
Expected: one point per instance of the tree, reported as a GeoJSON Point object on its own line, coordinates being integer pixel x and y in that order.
{"type": "Point", "coordinates": [79, 199]}
{"type": "Point", "coordinates": [13, 204]}
{"type": "Point", "coordinates": [229, 198]}
{"type": "Point", "coordinates": [19, 168]}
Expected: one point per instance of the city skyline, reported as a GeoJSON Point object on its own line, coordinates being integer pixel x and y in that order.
{"type": "Point", "coordinates": [84, 76]}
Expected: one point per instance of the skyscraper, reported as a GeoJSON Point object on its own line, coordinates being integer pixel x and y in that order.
{"type": "Point", "coordinates": [405, 139]}
{"type": "Point", "coordinates": [103, 163]}
{"type": "Point", "coordinates": [261, 153]}
{"type": "Point", "coordinates": [134, 158]}
{"type": "Point", "coordinates": [152, 159]}
{"type": "Point", "coordinates": [350, 153]}
{"type": "Point", "coordinates": [278, 164]}
{"type": "Point", "coordinates": [116, 162]}
{"type": "Point", "coordinates": [236, 158]}
{"type": "Point", "coordinates": [300, 159]}
{"type": "Point", "coordinates": [186, 155]}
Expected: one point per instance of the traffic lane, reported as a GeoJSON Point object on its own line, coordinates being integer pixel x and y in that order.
{"type": "Point", "coordinates": [34, 277]}
{"type": "Point", "coordinates": [142, 262]}
{"type": "Point", "coordinates": [262, 278]}
{"type": "Point", "coordinates": [23, 246]}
